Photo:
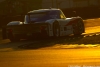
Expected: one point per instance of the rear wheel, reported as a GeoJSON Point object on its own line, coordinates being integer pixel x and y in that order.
{"type": "Point", "coordinates": [56, 29]}
{"type": "Point", "coordinates": [13, 38]}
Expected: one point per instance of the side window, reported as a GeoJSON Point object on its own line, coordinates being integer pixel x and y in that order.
{"type": "Point", "coordinates": [62, 16]}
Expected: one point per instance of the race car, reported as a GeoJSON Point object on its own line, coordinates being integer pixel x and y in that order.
{"type": "Point", "coordinates": [45, 22]}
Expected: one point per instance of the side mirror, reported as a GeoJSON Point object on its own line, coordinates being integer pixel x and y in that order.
{"type": "Point", "coordinates": [74, 14]}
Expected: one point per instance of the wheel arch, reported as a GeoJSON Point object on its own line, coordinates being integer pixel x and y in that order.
{"type": "Point", "coordinates": [79, 27]}
{"type": "Point", "coordinates": [56, 27]}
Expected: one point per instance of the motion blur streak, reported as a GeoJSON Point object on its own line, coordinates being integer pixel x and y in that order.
{"type": "Point", "coordinates": [50, 58]}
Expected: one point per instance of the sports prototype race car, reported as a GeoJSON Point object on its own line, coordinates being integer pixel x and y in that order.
{"type": "Point", "coordinates": [44, 22]}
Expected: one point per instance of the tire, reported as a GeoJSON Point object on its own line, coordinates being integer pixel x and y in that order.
{"type": "Point", "coordinates": [56, 29]}
{"type": "Point", "coordinates": [81, 27]}
{"type": "Point", "coordinates": [78, 28]}
{"type": "Point", "coordinates": [13, 38]}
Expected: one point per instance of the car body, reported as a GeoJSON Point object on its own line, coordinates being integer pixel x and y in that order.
{"type": "Point", "coordinates": [45, 22]}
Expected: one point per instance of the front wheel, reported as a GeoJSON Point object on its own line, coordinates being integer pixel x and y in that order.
{"type": "Point", "coordinates": [56, 29]}
{"type": "Point", "coordinates": [78, 28]}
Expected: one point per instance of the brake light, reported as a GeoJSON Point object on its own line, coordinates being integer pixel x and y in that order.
{"type": "Point", "coordinates": [10, 30]}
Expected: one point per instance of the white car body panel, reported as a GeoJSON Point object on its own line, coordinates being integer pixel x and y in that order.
{"type": "Point", "coordinates": [14, 23]}
{"type": "Point", "coordinates": [50, 22]}
{"type": "Point", "coordinates": [62, 23]}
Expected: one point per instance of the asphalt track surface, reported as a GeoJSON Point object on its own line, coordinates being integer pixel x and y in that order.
{"type": "Point", "coordinates": [56, 54]}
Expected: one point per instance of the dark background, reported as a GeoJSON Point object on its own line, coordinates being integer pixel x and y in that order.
{"type": "Point", "coordinates": [14, 10]}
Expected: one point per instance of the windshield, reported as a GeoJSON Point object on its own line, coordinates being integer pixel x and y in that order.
{"type": "Point", "coordinates": [43, 16]}
{"type": "Point", "coordinates": [38, 16]}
